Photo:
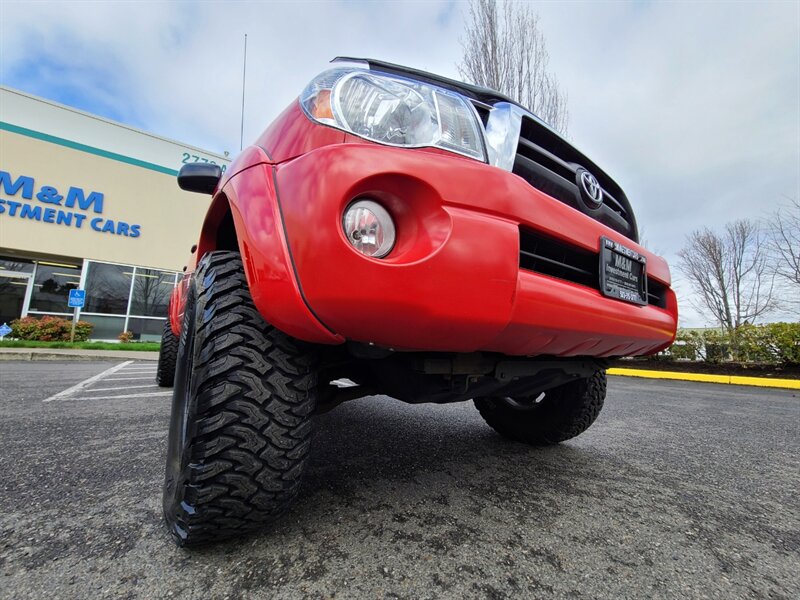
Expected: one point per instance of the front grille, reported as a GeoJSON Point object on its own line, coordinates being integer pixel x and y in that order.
{"type": "Point", "coordinates": [557, 259]}
{"type": "Point", "coordinates": [656, 293]}
{"type": "Point", "coordinates": [548, 256]}
{"type": "Point", "coordinates": [551, 165]}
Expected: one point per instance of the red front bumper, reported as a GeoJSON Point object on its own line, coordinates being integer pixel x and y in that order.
{"type": "Point", "coordinates": [452, 282]}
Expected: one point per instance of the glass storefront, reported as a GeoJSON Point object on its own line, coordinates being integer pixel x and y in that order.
{"type": "Point", "coordinates": [51, 285]}
{"type": "Point", "coordinates": [110, 287]}
{"type": "Point", "coordinates": [118, 297]}
{"type": "Point", "coordinates": [146, 330]}
{"type": "Point", "coordinates": [15, 278]}
{"type": "Point", "coordinates": [123, 298]}
{"type": "Point", "coordinates": [12, 297]}
{"type": "Point", "coordinates": [105, 328]}
{"type": "Point", "coordinates": [151, 290]}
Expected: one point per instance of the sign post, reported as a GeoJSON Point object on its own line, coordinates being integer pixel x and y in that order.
{"type": "Point", "coordinates": [77, 298]}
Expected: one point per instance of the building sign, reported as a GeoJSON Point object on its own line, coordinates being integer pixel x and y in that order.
{"type": "Point", "coordinates": [71, 208]}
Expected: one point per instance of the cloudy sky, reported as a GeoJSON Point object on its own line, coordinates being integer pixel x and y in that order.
{"type": "Point", "coordinates": [692, 106]}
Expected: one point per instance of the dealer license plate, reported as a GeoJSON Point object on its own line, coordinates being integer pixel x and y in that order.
{"type": "Point", "coordinates": [623, 272]}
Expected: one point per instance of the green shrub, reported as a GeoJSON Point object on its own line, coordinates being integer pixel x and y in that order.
{"type": "Point", "coordinates": [773, 344]}
{"type": "Point", "coordinates": [717, 346]}
{"type": "Point", "coordinates": [83, 329]}
{"type": "Point", "coordinates": [49, 329]}
{"type": "Point", "coordinates": [688, 345]}
{"type": "Point", "coordinates": [784, 340]}
{"type": "Point", "coordinates": [752, 344]}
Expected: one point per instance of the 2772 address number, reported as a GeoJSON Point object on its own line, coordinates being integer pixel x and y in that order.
{"type": "Point", "coordinates": [193, 158]}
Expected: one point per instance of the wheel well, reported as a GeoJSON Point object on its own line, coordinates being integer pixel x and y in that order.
{"type": "Point", "coordinates": [219, 231]}
{"type": "Point", "coordinates": [226, 233]}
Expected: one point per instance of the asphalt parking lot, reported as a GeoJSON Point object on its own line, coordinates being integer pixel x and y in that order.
{"type": "Point", "coordinates": [678, 490]}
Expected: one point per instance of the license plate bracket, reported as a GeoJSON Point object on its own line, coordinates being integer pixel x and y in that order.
{"type": "Point", "coordinates": [623, 272]}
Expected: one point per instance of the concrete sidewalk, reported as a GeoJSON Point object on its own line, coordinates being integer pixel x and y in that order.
{"type": "Point", "coordinates": [73, 354]}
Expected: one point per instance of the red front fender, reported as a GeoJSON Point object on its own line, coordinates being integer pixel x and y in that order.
{"type": "Point", "coordinates": [266, 256]}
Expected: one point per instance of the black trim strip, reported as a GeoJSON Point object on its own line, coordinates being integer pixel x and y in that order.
{"type": "Point", "coordinates": [617, 205]}
{"type": "Point", "coordinates": [561, 264]}
{"type": "Point", "coordinates": [572, 169]}
{"type": "Point", "coordinates": [291, 257]}
{"type": "Point", "coordinates": [269, 156]}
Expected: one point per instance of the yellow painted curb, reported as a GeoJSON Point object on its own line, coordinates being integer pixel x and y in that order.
{"type": "Point", "coordinates": [789, 384]}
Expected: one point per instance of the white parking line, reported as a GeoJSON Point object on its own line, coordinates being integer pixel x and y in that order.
{"type": "Point", "coordinates": [146, 395]}
{"type": "Point", "coordinates": [120, 389]}
{"type": "Point", "coordinates": [344, 383]}
{"type": "Point", "coordinates": [82, 385]}
{"type": "Point", "coordinates": [128, 378]}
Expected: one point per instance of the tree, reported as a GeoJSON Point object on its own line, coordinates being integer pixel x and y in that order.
{"type": "Point", "coordinates": [730, 273]}
{"type": "Point", "coordinates": [784, 245]}
{"type": "Point", "coordinates": [505, 50]}
{"type": "Point", "coordinates": [151, 291]}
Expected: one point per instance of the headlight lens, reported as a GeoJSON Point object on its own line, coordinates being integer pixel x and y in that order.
{"type": "Point", "coordinates": [394, 111]}
{"type": "Point", "coordinates": [369, 228]}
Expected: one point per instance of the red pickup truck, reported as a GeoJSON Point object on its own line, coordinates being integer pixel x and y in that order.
{"type": "Point", "coordinates": [393, 232]}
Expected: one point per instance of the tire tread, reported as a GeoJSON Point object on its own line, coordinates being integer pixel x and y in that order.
{"type": "Point", "coordinates": [254, 388]}
{"type": "Point", "coordinates": [167, 357]}
{"type": "Point", "coordinates": [569, 411]}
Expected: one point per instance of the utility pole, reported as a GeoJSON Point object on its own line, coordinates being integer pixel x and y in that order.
{"type": "Point", "coordinates": [244, 73]}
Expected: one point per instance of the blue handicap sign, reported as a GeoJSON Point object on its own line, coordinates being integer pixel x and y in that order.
{"type": "Point", "coordinates": [4, 330]}
{"type": "Point", "coordinates": [77, 298]}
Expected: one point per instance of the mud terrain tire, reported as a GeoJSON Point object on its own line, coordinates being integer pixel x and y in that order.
{"type": "Point", "coordinates": [241, 414]}
{"type": "Point", "coordinates": [563, 413]}
{"type": "Point", "coordinates": [167, 355]}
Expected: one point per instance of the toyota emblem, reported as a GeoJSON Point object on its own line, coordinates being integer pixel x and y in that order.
{"type": "Point", "coordinates": [591, 187]}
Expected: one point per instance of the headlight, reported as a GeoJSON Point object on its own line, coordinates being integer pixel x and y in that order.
{"type": "Point", "coordinates": [394, 111]}
{"type": "Point", "coordinates": [369, 228]}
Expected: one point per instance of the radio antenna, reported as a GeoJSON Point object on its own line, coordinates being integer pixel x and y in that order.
{"type": "Point", "coordinates": [244, 73]}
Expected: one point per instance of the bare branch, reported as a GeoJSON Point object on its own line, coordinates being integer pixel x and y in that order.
{"type": "Point", "coordinates": [505, 50]}
{"type": "Point", "coordinates": [730, 273]}
{"type": "Point", "coordinates": [783, 231]}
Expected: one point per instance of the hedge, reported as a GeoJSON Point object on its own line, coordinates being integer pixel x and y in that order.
{"type": "Point", "coordinates": [49, 329]}
{"type": "Point", "coordinates": [773, 343]}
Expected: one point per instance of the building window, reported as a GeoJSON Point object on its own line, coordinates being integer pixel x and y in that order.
{"type": "Point", "coordinates": [105, 328]}
{"type": "Point", "coordinates": [15, 278]}
{"type": "Point", "coordinates": [108, 288]}
{"type": "Point", "coordinates": [146, 330]}
{"type": "Point", "coordinates": [16, 265]}
{"type": "Point", "coordinates": [151, 290]}
{"type": "Point", "coordinates": [124, 298]}
{"type": "Point", "coordinates": [51, 285]}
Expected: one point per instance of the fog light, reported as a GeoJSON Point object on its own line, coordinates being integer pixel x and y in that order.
{"type": "Point", "coordinates": [369, 228]}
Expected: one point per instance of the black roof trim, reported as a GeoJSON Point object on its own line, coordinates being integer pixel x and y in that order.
{"type": "Point", "coordinates": [476, 92]}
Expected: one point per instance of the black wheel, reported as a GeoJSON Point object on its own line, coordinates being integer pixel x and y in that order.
{"type": "Point", "coordinates": [167, 355]}
{"type": "Point", "coordinates": [552, 417]}
{"type": "Point", "coordinates": [241, 411]}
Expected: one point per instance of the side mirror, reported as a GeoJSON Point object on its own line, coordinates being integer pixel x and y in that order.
{"type": "Point", "coordinates": [199, 177]}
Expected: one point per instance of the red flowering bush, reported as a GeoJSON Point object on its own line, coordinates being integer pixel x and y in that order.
{"type": "Point", "coordinates": [49, 329]}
